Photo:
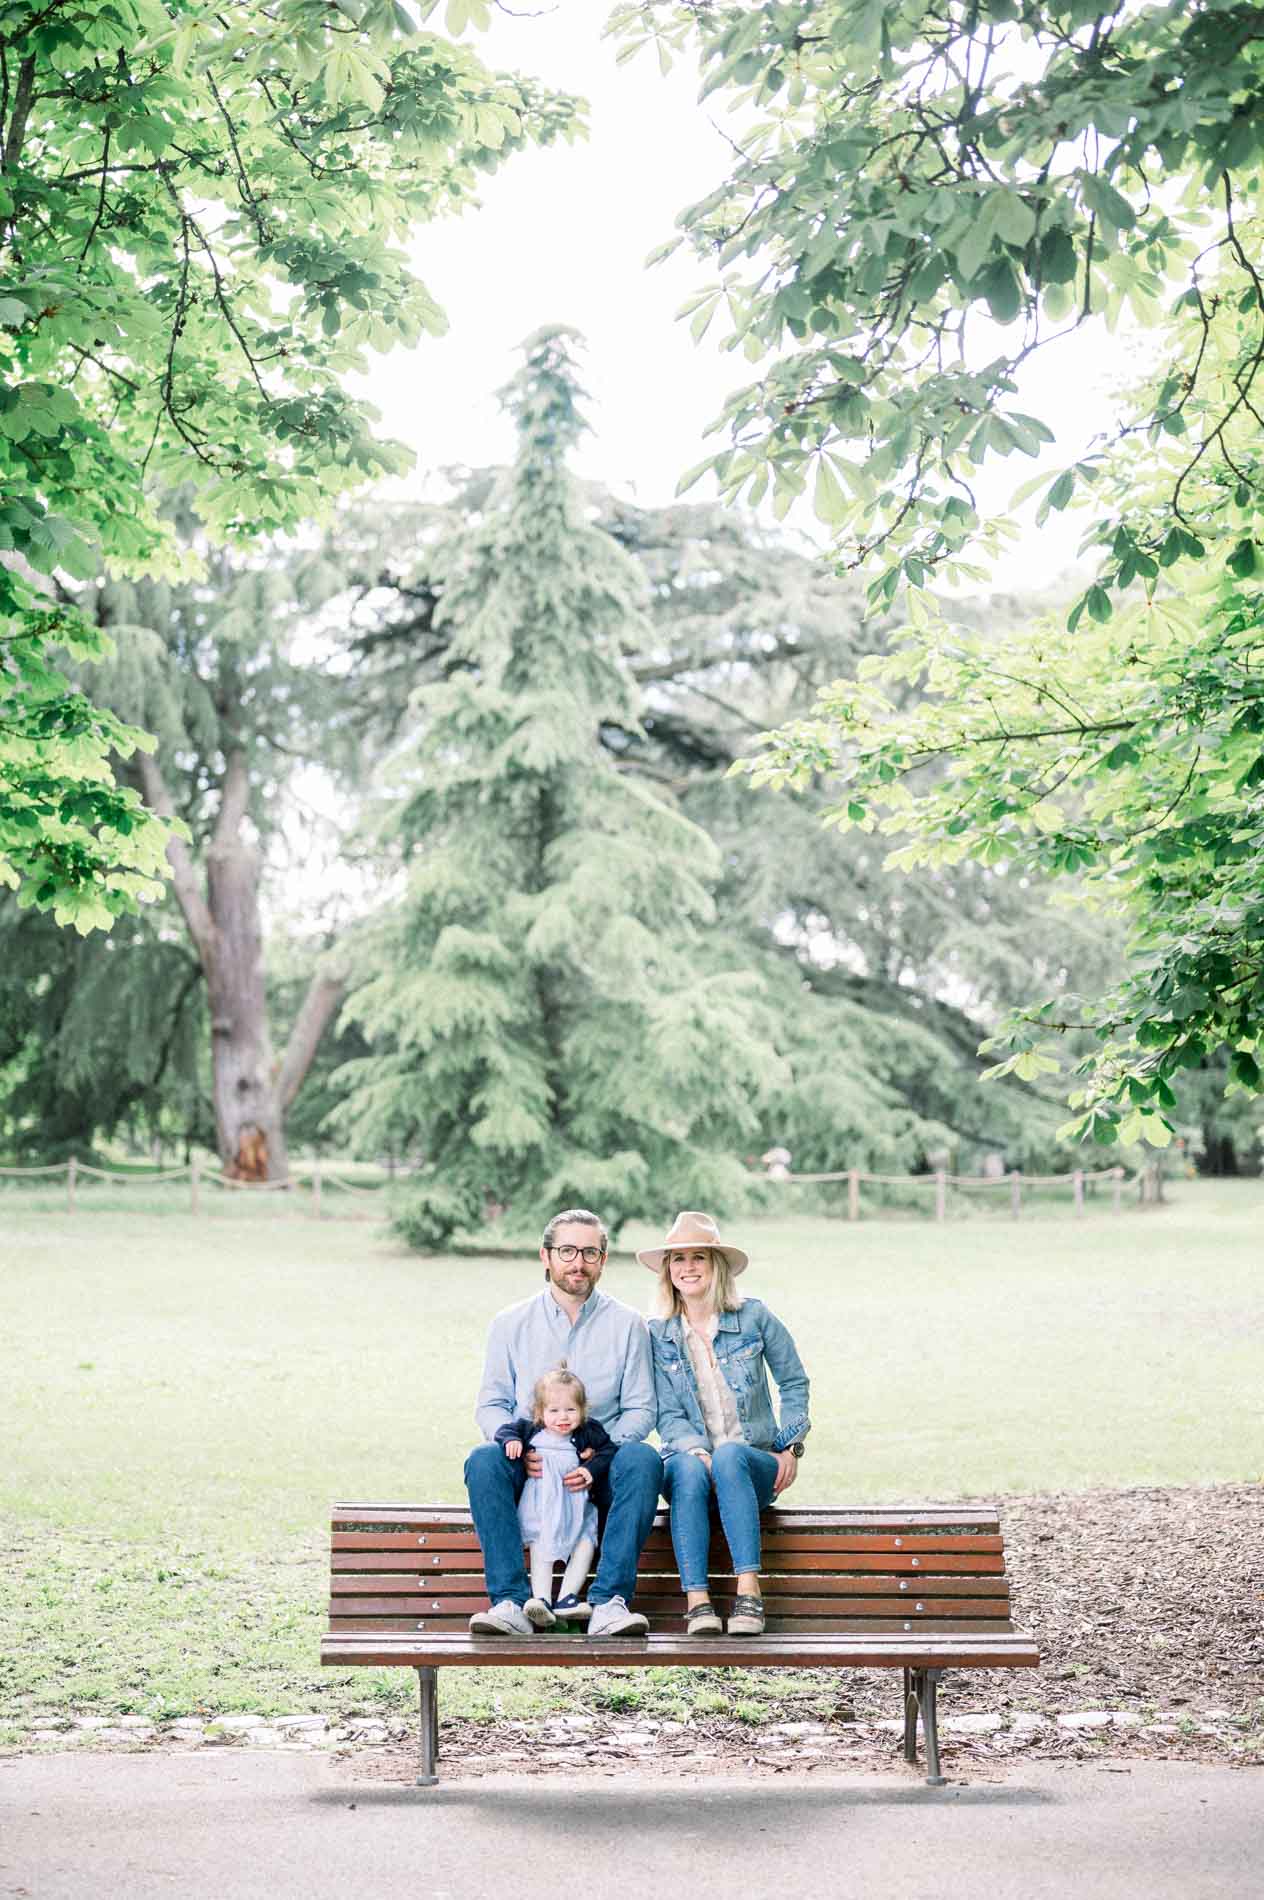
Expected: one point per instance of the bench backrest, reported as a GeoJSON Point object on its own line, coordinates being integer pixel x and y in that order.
{"type": "Point", "coordinates": [941, 1569]}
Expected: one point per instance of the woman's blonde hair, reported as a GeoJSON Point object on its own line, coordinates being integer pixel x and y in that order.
{"type": "Point", "coordinates": [725, 1297]}
{"type": "Point", "coordinates": [560, 1377]}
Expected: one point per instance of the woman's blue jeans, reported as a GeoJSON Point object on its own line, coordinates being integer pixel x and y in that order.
{"type": "Point", "coordinates": [740, 1481]}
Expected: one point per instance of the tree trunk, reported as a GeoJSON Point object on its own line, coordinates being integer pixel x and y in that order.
{"type": "Point", "coordinates": [248, 1117]}
{"type": "Point", "coordinates": [250, 1091]}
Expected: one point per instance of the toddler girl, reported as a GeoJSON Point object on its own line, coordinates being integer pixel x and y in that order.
{"type": "Point", "coordinates": [558, 1522]}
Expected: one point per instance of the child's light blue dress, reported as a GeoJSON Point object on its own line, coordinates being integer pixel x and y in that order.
{"type": "Point", "coordinates": [552, 1518]}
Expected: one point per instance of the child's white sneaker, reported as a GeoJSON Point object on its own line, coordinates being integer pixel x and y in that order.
{"type": "Point", "coordinates": [538, 1614]}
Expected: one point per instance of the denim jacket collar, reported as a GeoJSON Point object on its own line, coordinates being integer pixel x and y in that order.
{"type": "Point", "coordinates": [725, 1323]}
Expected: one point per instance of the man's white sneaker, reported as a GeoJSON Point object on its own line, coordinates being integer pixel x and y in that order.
{"type": "Point", "coordinates": [503, 1619]}
{"type": "Point", "coordinates": [614, 1618]}
{"type": "Point", "coordinates": [538, 1614]}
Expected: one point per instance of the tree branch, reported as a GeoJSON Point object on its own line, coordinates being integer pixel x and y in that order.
{"type": "Point", "coordinates": [233, 797]}
{"type": "Point", "coordinates": [320, 1005]}
{"type": "Point", "coordinates": [184, 875]}
{"type": "Point", "coordinates": [23, 99]}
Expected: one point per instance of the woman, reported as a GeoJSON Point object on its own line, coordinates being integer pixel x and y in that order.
{"type": "Point", "coordinates": [713, 1351]}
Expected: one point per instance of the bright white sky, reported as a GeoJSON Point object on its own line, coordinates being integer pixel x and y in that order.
{"type": "Point", "coordinates": [562, 236]}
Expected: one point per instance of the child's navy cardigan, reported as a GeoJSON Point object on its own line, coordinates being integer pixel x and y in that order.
{"type": "Point", "coordinates": [590, 1436]}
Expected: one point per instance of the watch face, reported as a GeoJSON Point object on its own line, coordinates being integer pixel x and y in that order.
{"type": "Point", "coordinates": [797, 1450]}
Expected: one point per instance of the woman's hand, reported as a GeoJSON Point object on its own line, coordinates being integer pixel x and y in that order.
{"type": "Point", "coordinates": [578, 1479]}
{"type": "Point", "coordinates": [703, 1457]}
{"type": "Point", "coordinates": [513, 1448]}
{"type": "Point", "coordinates": [787, 1472]}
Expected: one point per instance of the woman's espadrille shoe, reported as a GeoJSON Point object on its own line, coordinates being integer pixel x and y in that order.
{"type": "Point", "coordinates": [702, 1621]}
{"type": "Point", "coordinates": [748, 1617]}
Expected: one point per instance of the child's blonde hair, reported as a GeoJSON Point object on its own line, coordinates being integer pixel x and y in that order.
{"type": "Point", "coordinates": [561, 1377]}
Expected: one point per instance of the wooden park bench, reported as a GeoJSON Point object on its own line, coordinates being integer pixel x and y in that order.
{"type": "Point", "coordinates": [922, 1590]}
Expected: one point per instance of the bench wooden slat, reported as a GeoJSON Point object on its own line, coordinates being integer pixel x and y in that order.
{"type": "Point", "coordinates": [658, 1543]}
{"type": "Point", "coordinates": [984, 1563]}
{"type": "Point", "coordinates": [795, 1585]}
{"type": "Point", "coordinates": [867, 1649]}
{"type": "Point", "coordinates": [897, 1518]}
{"type": "Point", "coordinates": [660, 1603]}
{"type": "Point", "coordinates": [776, 1625]}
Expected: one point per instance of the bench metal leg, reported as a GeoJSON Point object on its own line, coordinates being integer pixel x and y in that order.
{"type": "Point", "coordinates": [428, 1692]}
{"type": "Point", "coordinates": [930, 1725]}
{"type": "Point", "coordinates": [920, 1686]}
{"type": "Point", "coordinates": [910, 1717]}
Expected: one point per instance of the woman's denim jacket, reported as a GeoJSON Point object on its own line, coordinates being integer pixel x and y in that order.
{"type": "Point", "coordinates": [748, 1345]}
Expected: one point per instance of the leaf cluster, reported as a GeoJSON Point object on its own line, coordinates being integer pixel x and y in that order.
{"type": "Point", "coordinates": [902, 173]}
{"type": "Point", "coordinates": [201, 216]}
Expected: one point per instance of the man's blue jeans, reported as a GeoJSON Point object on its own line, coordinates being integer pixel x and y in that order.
{"type": "Point", "coordinates": [626, 1498]}
{"type": "Point", "coordinates": [740, 1480]}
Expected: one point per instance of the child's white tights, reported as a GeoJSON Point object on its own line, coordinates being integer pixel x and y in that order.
{"type": "Point", "coordinates": [578, 1565]}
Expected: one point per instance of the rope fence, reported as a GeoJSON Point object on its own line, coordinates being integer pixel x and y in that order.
{"type": "Point", "coordinates": [1148, 1182]}
{"type": "Point", "coordinates": [315, 1178]}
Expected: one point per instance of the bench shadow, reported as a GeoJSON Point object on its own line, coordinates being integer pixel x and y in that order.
{"type": "Point", "coordinates": [552, 1806]}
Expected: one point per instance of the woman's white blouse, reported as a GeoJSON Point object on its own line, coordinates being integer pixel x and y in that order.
{"type": "Point", "coordinates": [719, 1407]}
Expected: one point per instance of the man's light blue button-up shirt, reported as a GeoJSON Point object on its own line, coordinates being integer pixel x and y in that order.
{"type": "Point", "coordinates": [608, 1347]}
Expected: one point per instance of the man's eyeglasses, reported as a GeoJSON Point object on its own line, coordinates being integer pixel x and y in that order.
{"type": "Point", "coordinates": [590, 1255]}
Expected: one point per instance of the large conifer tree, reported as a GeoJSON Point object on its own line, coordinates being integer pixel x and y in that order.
{"type": "Point", "coordinates": [557, 1024]}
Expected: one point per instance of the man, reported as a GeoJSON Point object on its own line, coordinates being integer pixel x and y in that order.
{"type": "Point", "coordinates": [607, 1345]}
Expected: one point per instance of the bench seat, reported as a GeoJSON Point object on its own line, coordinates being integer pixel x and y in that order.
{"type": "Point", "coordinates": [657, 1651]}
{"type": "Point", "coordinates": [920, 1588]}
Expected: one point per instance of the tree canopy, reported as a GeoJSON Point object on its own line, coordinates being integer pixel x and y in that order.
{"type": "Point", "coordinates": [201, 218]}
{"type": "Point", "coordinates": [923, 198]}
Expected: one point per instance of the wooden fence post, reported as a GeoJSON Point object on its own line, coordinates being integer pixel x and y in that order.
{"type": "Point", "coordinates": [316, 1190]}
{"type": "Point", "coordinates": [1077, 1189]}
{"type": "Point", "coordinates": [1116, 1190]}
{"type": "Point", "coordinates": [1015, 1192]}
{"type": "Point", "coordinates": [195, 1184]}
{"type": "Point", "coordinates": [853, 1194]}
{"type": "Point", "coordinates": [940, 1194]}
{"type": "Point", "coordinates": [72, 1169]}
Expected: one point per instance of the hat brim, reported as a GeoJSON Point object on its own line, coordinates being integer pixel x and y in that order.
{"type": "Point", "coordinates": [653, 1257]}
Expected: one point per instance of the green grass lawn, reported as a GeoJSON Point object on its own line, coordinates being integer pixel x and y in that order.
{"type": "Point", "coordinates": [184, 1398]}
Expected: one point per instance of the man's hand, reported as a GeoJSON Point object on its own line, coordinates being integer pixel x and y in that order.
{"type": "Point", "coordinates": [534, 1463]}
{"type": "Point", "coordinates": [513, 1448]}
{"type": "Point", "coordinates": [787, 1472]}
{"type": "Point", "coordinates": [703, 1457]}
{"type": "Point", "coordinates": [586, 1455]}
{"type": "Point", "coordinates": [578, 1479]}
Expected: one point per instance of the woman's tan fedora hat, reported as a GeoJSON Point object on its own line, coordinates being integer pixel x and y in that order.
{"type": "Point", "coordinates": [692, 1230]}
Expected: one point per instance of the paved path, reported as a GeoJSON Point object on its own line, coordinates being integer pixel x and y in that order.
{"type": "Point", "coordinates": [131, 1827]}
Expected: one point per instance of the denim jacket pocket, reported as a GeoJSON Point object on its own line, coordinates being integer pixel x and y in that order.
{"type": "Point", "coordinates": [742, 1367]}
